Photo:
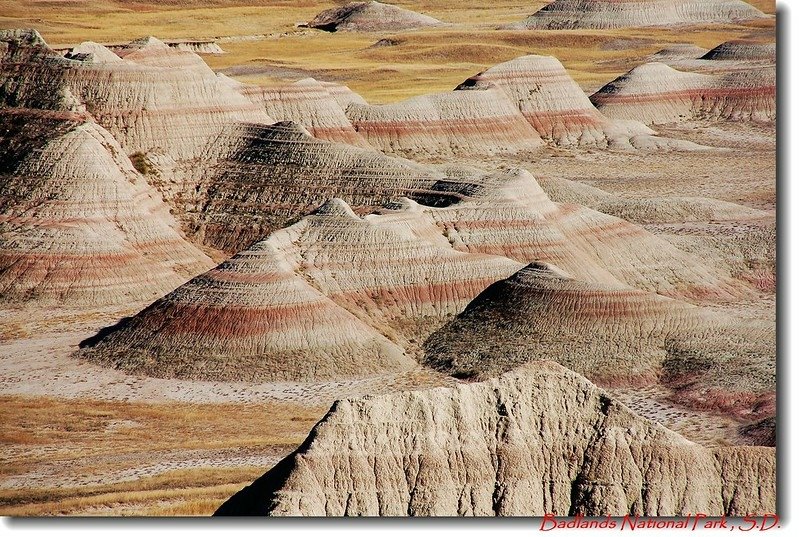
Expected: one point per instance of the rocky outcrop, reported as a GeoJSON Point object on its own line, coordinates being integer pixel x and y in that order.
{"type": "Point", "coordinates": [284, 168]}
{"type": "Point", "coordinates": [657, 93]}
{"type": "Point", "coordinates": [163, 103]}
{"type": "Point", "coordinates": [458, 122]}
{"type": "Point", "coordinates": [604, 14]}
{"type": "Point", "coordinates": [197, 47]}
{"type": "Point", "coordinates": [513, 217]}
{"type": "Point", "coordinates": [355, 281]}
{"type": "Point", "coordinates": [742, 50]}
{"type": "Point", "coordinates": [537, 440]}
{"type": "Point", "coordinates": [79, 225]}
{"type": "Point", "coordinates": [312, 104]}
{"type": "Point", "coordinates": [252, 318]}
{"type": "Point", "coordinates": [559, 111]}
{"type": "Point", "coordinates": [615, 336]}
{"type": "Point", "coordinates": [370, 17]}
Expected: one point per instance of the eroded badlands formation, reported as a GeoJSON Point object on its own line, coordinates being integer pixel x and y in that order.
{"type": "Point", "coordinates": [333, 296]}
{"type": "Point", "coordinates": [537, 440]}
{"type": "Point", "coordinates": [604, 14]}
{"type": "Point", "coordinates": [370, 17]}
{"type": "Point", "coordinates": [362, 242]}
{"type": "Point", "coordinates": [79, 224]}
{"type": "Point", "coordinates": [559, 110]}
{"type": "Point", "coordinates": [735, 81]}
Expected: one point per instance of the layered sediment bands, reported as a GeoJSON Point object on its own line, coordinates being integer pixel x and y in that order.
{"type": "Point", "coordinates": [78, 225]}
{"type": "Point", "coordinates": [370, 17]}
{"type": "Point", "coordinates": [558, 109]}
{"type": "Point", "coordinates": [252, 318]}
{"type": "Point", "coordinates": [657, 93]}
{"type": "Point", "coordinates": [460, 122]}
{"type": "Point", "coordinates": [284, 168]}
{"type": "Point", "coordinates": [514, 218]}
{"type": "Point", "coordinates": [395, 271]}
{"type": "Point", "coordinates": [313, 105]}
{"type": "Point", "coordinates": [155, 100]}
{"type": "Point", "coordinates": [610, 333]}
{"type": "Point", "coordinates": [538, 440]}
{"type": "Point", "coordinates": [333, 285]}
{"type": "Point", "coordinates": [615, 336]}
{"type": "Point", "coordinates": [741, 50]}
{"type": "Point", "coordinates": [606, 14]}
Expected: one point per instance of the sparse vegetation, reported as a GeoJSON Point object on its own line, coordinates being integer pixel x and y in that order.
{"type": "Point", "coordinates": [96, 440]}
{"type": "Point", "coordinates": [142, 164]}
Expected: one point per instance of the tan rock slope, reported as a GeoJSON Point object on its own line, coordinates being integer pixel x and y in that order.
{"type": "Point", "coordinates": [559, 111]}
{"type": "Point", "coordinates": [514, 218]}
{"type": "Point", "coordinates": [459, 122]}
{"type": "Point", "coordinates": [252, 318]}
{"type": "Point", "coordinates": [163, 104]}
{"type": "Point", "coordinates": [657, 93]}
{"type": "Point", "coordinates": [312, 104]}
{"type": "Point", "coordinates": [615, 336]}
{"type": "Point", "coordinates": [370, 17]}
{"type": "Point", "coordinates": [279, 173]}
{"type": "Point", "coordinates": [314, 301]}
{"type": "Point", "coordinates": [538, 440]}
{"type": "Point", "coordinates": [78, 224]}
{"type": "Point", "coordinates": [604, 14]}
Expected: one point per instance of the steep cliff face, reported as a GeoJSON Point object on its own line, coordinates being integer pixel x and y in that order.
{"type": "Point", "coordinates": [370, 17]}
{"type": "Point", "coordinates": [458, 122]}
{"type": "Point", "coordinates": [537, 440]}
{"type": "Point", "coordinates": [78, 224]}
{"type": "Point", "coordinates": [559, 111]}
{"type": "Point", "coordinates": [604, 14]}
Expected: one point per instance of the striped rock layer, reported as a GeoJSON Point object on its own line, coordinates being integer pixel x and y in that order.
{"type": "Point", "coordinates": [657, 93]}
{"type": "Point", "coordinates": [405, 272]}
{"type": "Point", "coordinates": [370, 17]}
{"type": "Point", "coordinates": [333, 284]}
{"type": "Point", "coordinates": [79, 225]}
{"type": "Point", "coordinates": [538, 440]}
{"type": "Point", "coordinates": [614, 335]}
{"type": "Point", "coordinates": [156, 101]}
{"type": "Point", "coordinates": [459, 122]}
{"type": "Point", "coordinates": [312, 104]}
{"type": "Point", "coordinates": [252, 318]}
{"type": "Point", "coordinates": [743, 50]}
{"type": "Point", "coordinates": [266, 176]}
{"type": "Point", "coordinates": [552, 102]}
{"type": "Point", "coordinates": [515, 218]}
{"type": "Point", "coordinates": [605, 14]}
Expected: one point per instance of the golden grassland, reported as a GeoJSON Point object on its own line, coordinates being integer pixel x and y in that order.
{"type": "Point", "coordinates": [424, 61]}
{"type": "Point", "coordinates": [97, 438]}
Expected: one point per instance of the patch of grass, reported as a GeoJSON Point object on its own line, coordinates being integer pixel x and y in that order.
{"type": "Point", "coordinates": [142, 164]}
{"type": "Point", "coordinates": [197, 491]}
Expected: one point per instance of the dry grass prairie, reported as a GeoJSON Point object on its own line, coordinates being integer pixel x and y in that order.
{"type": "Point", "coordinates": [68, 457]}
{"type": "Point", "coordinates": [423, 61]}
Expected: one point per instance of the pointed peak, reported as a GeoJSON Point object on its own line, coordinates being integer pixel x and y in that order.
{"type": "Point", "coordinates": [336, 207]}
